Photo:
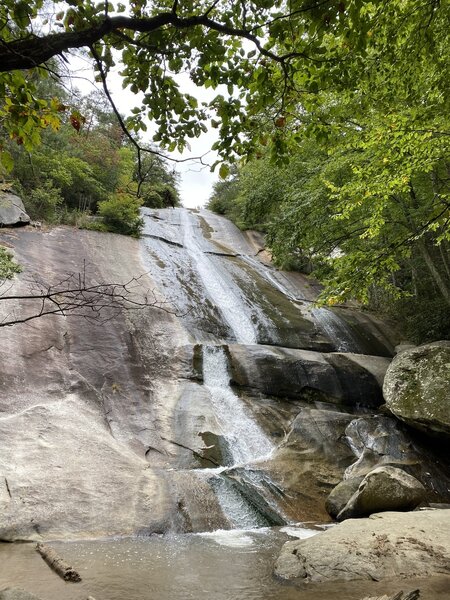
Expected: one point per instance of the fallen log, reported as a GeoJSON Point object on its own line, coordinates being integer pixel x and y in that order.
{"type": "Point", "coordinates": [413, 595]}
{"type": "Point", "coordinates": [58, 564]}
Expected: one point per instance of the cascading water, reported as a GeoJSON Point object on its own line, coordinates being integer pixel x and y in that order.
{"type": "Point", "coordinates": [336, 329]}
{"type": "Point", "coordinates": [230, 303]}
{"type": "Point", "coordinates": [247, 441]}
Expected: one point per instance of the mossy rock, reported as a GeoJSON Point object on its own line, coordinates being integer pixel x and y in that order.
{"type": "Point", "coordinates": [417, 387]}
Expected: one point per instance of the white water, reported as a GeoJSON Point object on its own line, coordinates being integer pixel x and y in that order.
{"type": "Point", "coordinates": [246, 439]}
{"type": "Point", "coordinates": [336, 329]}
{"type": "Point", "coordinates": [221, 291]}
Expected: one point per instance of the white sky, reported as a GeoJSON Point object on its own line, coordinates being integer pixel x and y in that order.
{"type": "Point", "coordinates": [195, 180]}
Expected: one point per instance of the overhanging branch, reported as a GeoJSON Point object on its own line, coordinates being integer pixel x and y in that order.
{"type": "Point", "coordinates": [33, 51]}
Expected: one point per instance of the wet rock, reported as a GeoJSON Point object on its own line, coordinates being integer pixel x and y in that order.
{"type": "Point", "coordinates": [216, 451]}
{"type": "Point", "coordinates": [340, 495]}
{"type": "Point", "coordinates": [16, 594]}
{"type": "Point", "coordinates": [301, 374]}
{"type": "Point", "coordinates": [384, 488]}
{"type": "Point", "coordinates": [384, 545]}
{"type": "Point", "coordinates": [417, 387]}
{"type": "Point", "coordinates": [321, 431]}
{"type": "Point", "coordinates": [260, 492]}
{"type": "Point", "coordinates": [308, 464]}
{"type": "Point", "coordinates": [12, 210]}
{"type": "Point", "coordinates": [379, 440]}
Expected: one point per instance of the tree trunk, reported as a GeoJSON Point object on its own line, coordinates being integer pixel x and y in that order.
{"type": "Point", "coordinates": [441, 284]}
{"type": "Point", "coordinates": [55, 562]}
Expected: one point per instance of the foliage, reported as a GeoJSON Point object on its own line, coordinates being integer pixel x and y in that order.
{"type": "Point", "coordinates": [72, 172]}
{"type": "Point", "coordinates": [354, 93]}
{"type": "Point", "coordinates": [8, 267]}
{"type": "Point", "coordinates": [121, 214]}
{"type": "Point", "coordinates": [42, 202]}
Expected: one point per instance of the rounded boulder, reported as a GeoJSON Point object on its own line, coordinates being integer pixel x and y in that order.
{"type": "Point", "coordinates": [417, 387]}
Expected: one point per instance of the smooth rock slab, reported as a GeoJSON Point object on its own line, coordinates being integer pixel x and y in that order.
{"type": "Point", "coordinates": [389, 544]}
{"type": "Point", "coordinates": [417, 387]}
{"type": "Point", "coordinates": [384, 488]}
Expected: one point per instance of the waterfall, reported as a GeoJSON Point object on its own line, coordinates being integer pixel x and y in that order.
{"type": "Point", "coordinates": [336, 329]}
{"type": "Point", "coordinates": [216, 282]}
{"type": "Point", "coordinates": [246, 439]}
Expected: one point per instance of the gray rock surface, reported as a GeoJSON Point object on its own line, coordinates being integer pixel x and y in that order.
{"type": "Point", "coordinates": [79, 402]}
{"type": "Point", "coordinates": [340, 495]}
{"type": "Point", "coordinates": [16, 594]}
{"type": "Point", "coordinates": [301, 374]}
{"type": "Point", "coordinates": [384, 488]}
{"type": "Point", "coordinates": [12, 210]}
{"type": "Point", "coordinates": [389, 544]}
{"type": "Point", "coordinates": [417, 387]}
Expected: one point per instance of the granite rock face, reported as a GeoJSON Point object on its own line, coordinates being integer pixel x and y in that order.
{"type": "Point", "coordinates": [417, 387]}
{"type": "Point", "coordinates": [348, 379]}
{"type": "Point", "coordinates": [12, 210]}
{"type": "Point", "coordinates": [385, 545]}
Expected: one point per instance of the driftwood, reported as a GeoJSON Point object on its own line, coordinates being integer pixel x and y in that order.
{"type": "Point", "coordinates": [57, 563]}
{"type": "Point", "coordinates": [399, 596]}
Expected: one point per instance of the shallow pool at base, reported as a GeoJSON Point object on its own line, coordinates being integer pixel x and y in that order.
{"type": "Point", "coordinates": [221, 565]}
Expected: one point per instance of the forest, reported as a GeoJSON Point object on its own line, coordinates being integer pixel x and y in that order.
{"type": "Point", "coordinates": [332, 122]}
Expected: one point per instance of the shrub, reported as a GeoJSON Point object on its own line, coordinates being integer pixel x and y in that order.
{"type": "Point", "coordinates": [42, 202]}
{"type": "Point", "coordinates": [121, 214]}
{"type": "Point", "coordinates": [7, 265]}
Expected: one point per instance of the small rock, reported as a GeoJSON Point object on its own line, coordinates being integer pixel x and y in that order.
{"type": "Point", "coordinates": [384, 488]}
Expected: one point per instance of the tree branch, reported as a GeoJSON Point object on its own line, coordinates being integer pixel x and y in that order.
{"type": "Point", "coordinates": [73, 296]}
{"type": "Point", "coordinates": [32, 51]}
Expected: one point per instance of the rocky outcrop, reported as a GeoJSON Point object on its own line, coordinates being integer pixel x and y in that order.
{"type": "Point", "coordinates": [301, 374]}
{"type": "Point", "coordinates": [384, 545]}
{"type": "Point", "coordinates": [378, 440]}
{"type": "Point", "coordinates": [12, 210]}
{"type": "Point", "coordinates": [417, 387]}
{"type": "Point", "coordinates": [384, 488]}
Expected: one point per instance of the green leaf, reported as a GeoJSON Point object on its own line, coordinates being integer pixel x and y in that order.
{"type": "Point", "coordinates": [224, 171]}
{"type": "Point", "coordinates": [6, 160]}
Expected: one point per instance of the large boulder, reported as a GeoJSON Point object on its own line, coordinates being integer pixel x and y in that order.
{"type": "Point", "coordinates": [348, 379]}
{"type": "Point", "coordinates": [417, 387]}
{"type": "Point", "coordinates": [12, 210]}
{"type": "Point", "coordinates": [384, 488]}
{"type": "Point", "coordinates": [389, 544]}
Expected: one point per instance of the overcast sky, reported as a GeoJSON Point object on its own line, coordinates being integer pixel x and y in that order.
{"type": "Point", "coordinates": [195, 180]}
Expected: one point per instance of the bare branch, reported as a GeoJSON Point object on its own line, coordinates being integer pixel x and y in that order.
{"type": "Point", "coordinates": [72, 296]}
